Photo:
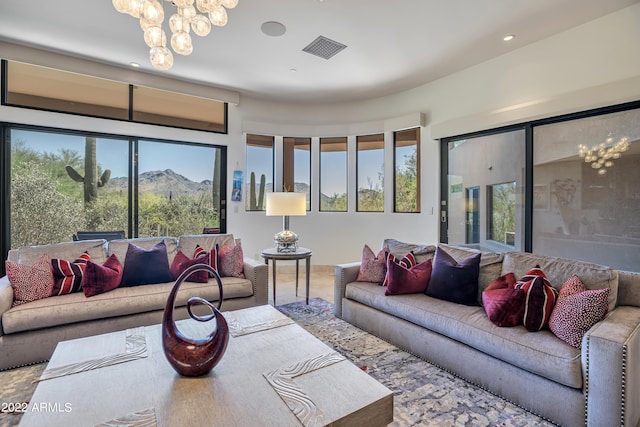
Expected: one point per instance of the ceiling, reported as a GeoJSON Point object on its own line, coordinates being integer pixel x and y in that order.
{"type": "Point", "coordinates": [391, 46]}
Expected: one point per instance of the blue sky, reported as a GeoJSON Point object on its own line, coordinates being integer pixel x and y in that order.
{"type": "Point", "coordinates": [193, 162]}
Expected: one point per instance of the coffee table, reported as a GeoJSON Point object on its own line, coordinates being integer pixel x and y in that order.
{"type": "Point", "coordinates": [273, 373]}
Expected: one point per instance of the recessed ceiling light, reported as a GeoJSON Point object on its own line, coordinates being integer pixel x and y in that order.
{"type": "Point", "coordinates": [293, 70]}
{"type": "Point", "coordinates": [509, 37]}
{"type": "Point", "coordinates": [135, 65]}
{"type": "Point", "coordinates": [273, 28]}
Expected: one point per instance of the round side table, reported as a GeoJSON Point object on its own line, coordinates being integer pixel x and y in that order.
{"type": "Point", "coordinates": [301, 253]}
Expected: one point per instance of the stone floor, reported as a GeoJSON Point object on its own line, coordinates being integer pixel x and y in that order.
{"type": "Point", "coordinates": [321, 284]}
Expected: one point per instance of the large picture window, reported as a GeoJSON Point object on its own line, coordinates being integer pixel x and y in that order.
{"type": "Point", "coordinates": [64, 182]}
{"type": "Point", "coordinates": [587, 189]}
{"type": "Point", "coordinates": [370, 176]}
{"type": "Point", "coordinates": [333, 174]}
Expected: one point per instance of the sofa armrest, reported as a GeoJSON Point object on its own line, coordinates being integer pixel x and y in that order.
{"type": "Point", "coordinates": [343, 274]}
{"type": "Point", "coordinates": [258, 273]}
{"type": "Point", "coordinates": [6, 298]}
{"type": "Point", "coordinates": [611, 359]}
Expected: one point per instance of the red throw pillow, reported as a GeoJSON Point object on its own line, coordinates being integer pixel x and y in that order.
{"type": "Point", "coordinates": [99, 279]}
{"type": "Point", "coordinates": [372, 266]}
{"type": "Point", "coordinates": [181, 262]}
{"type": "Point", "coordinates": [407, 261]}
{"type": "Point", "coordinates": [30, 282]}
{"type": "Point", "coordinates": [577, 310]}
{"type": "Point", "coordinates": [504, 303]}
{"type": "Point", "coordinates": [539, 299]}
{"type": "Point", "coordinates": [412, 280]}
{"type": "Point", "coordinates": [231, 262]}
{"type": "Point", "coordinates": [68, 275]}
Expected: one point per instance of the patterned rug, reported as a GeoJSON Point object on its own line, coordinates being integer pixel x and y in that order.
{"type": "Point", "coordinates": [423, 394]}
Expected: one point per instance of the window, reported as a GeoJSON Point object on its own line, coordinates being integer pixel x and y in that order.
{"type": "Point", "coordinates": [484, 192]}
{"type": "Point", "coordinates": [407, 170]}
{"type": "Point", "coordinates": [48, 89]}
{"type": "Point", "coordinates": [587, 189]}
{"type": "Point", "coordinates": [297, 166]}
{"type": "Point", "coordinates": [259, 169]}
{"type": "Point", "coordinates": [65, 182]}
{"type": "Point", "coordinates": [370, 175]}
{"type": "Point", "coordinates": [502, 212]}
{"type": "Point", "coordinates": [176, 185]}
{"type": "Point", "coordinates": [333, 174]}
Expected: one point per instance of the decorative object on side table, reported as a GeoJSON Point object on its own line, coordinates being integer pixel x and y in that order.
{"type": "Point", "coordinates": [285, 205]}
{"type": "Point", "coordinates": [188, 356]}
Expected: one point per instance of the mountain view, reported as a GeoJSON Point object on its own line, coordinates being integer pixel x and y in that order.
{"type": "Point", "coordinates": [162, 183]}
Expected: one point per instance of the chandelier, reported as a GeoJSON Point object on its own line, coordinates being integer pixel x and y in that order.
{"type": "Point", "coordinates": [601, 156]}
{"type": "Point", "coordinates": [181, 23]}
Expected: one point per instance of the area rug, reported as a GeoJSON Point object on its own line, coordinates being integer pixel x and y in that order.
{"type": "Point", "coordinates": [424, 395]}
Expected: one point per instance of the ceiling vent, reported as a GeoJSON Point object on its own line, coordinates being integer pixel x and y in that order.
{"type": "Point", "coordinates": [324, 47]}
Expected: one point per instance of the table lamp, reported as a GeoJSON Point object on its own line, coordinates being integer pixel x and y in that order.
{"type": "Point", "coordinates": [286, 205]}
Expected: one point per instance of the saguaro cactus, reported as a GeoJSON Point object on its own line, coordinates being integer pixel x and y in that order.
{"type": "Point", "coordinates": [90, 178]}
{"type": "Point", "coordinates": [253, 204]}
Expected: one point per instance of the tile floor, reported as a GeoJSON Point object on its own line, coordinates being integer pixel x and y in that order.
{"type": "Point", "coordinates": [320, 284]}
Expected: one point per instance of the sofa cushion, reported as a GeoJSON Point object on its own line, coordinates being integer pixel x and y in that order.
{"type": "Point", "coordinates": [372, 266]}
{"type": "Point", "coordinates": [30, 282]}
{"type": "Point", "coordinates": [212, 256]}
{"type": "Point", "coordinates": [99, 279]}
{"type": "Point", "coordinates": [454, 281]}
{"type": "Point", "coordinates": [503, 303]}
{"type": "Point", "coordinates": [231, 260]}
{"type": "Point", "coordinates": [577, 310]}
{"type": "Point", "coordinates": [120, 246]}
{"type": "Point", "coordinates": [541, 353]}
{"type": "Point", "coordinates": [407, 260]}
{"type": "Point", "coordinates": [144, 267]}
{"type": "Point", "coordinates": [539, 299]}
{"type": "Point", "coordinates": [558, 270]}
{"type": "Point", "coordinates": [403, 280]}
{"type": "Point", "coordinates": [68, 250]}
{"type": "Point", "coordinates": [75, 307]}
{"type": "Point", "coordinates": [68, 275]}
{"type": "Point", "coordinates": [188, 243]}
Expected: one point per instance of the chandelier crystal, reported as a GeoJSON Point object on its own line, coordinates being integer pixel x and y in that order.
{"type": "Point", "coordinates": [187, 17]}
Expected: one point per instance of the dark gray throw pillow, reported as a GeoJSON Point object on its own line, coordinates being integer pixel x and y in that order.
{"type": "Point", "coordinates": [454, 281]}
{"type": "Point", "coordinates": [144, 267]}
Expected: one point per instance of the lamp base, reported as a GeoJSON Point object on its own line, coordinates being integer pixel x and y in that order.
{"type": "Point", "coordinates": [286, 241]}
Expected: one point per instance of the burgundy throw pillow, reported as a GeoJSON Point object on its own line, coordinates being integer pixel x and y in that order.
{"type": "Point", "coordinates": [99, 279]}
{"type": "Point", "coordinates": [231, 261]}
{"type": "Point", "coordinates": [412, 280]}
{"type": "Point", "coordinates": [372, 266]}
{"type": "Point", "coordinates": [503, 303]}
{"type": "Point", "coordinates": [539, 299]}
{"type": "Point", "coordinates": [407, 261]}
{"type": "Point", "coordinates": [67, 275]}
{"type": "Point", "coordinates": [181, 262]}
{"type": "Point", "coordinates": [143, 267]}
{"type": "Point", "coordinates": [30, 282]}
{"type": "Point", "coordinates": [577, 310]}
{"type": "Point", "coordinates": [212, 256]}
{"type": "Point", "coordinates": [454, 281]}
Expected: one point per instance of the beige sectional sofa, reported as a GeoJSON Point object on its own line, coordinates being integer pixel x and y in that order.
{"type": "Point", "coordinates": [30, 332]}
{"type": "Point", "coordinates": [597, 385]}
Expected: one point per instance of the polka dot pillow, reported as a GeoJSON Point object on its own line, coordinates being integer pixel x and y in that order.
{"type": "Point", "coordinates": [577, 310]}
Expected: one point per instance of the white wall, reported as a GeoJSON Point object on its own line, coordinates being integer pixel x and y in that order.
{"type": "Point", "coordinates": [596, 64]}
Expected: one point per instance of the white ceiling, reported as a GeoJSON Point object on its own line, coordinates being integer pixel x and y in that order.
{"type": "Point", "coordinates": [391, 46]}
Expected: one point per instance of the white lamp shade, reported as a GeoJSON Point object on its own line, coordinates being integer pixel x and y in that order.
{"type": "Point", "coordinates": [286, 204]}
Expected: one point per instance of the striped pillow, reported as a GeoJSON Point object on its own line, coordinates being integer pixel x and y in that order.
{"type": "Point", "coordinates": [68, 275]}
{"type": "Point", "coordinates": [407, 261]}
{"type": "Point", "coordinates": [539, 299]}
{"type": "Point", "coordinates": [214, 257]}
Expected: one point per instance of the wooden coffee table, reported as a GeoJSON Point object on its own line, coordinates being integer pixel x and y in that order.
{"type": "Point", "coordinates": [273, 373]}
